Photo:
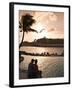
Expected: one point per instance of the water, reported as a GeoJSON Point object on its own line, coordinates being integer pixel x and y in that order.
{"type": "Point", "coordinates": [40, 50]}
{"type": "Point", "coordinates": [50, 66]}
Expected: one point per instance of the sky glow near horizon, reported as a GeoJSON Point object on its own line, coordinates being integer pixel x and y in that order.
{"type": "Point", "coordinates": [51, 25]}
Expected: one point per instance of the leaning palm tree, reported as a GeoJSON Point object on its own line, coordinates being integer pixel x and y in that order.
{"type": "Point", "coordinates": [26, 23]}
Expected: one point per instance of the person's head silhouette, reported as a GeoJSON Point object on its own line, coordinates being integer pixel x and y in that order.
{"type": "Point", "coordinates": [32, 61]}
{"type": "Point", "coordinates": [36, 61]}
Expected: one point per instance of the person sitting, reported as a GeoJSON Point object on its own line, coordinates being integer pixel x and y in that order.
{"type": "Point", "coordinates": [30, 69]}
{"type": "Point", "coordinates": [37, 72]}
{"type": "Point", "coordinates": [35, 68]}
{"type": "Point", "coordinates": [33, 71]}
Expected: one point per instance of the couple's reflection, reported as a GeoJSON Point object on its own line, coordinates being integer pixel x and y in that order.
{"type": "Point", "coordinates": [33, 71]}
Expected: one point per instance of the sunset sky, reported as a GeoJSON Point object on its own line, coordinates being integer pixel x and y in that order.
{"type": "Point", "coordinates": [51, 25]}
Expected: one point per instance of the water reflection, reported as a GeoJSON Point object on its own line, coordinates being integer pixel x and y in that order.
{"type": "Point", "coordinates": [51, 66]}
{"type": "Point", "coordinates": [40, 50]}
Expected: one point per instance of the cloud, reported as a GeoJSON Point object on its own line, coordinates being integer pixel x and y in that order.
{"type": "Point", "coordinates": [52, 29]}
{"type": "Point", "coordinates": [52, 16]}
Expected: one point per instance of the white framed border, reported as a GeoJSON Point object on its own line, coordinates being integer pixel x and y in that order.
{"type": "Point", "coordinates": [41, 81]}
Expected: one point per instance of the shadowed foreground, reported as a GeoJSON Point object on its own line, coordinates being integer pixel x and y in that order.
{"type": "Point", "coordinates": [49, 68]}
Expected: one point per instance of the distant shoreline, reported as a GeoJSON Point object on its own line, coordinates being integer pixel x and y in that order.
{"type": "Point", "coordinates": [42, 54]}
{"type": "Point", "coordinates": [45, 42]}
{"type": "Point", "coordinates": [46, 46]}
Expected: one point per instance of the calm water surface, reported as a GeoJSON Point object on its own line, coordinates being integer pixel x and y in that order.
{"type": "Point", "coordinates": [40, 50]}
{"type": "Point", "coordinates": [50, 66]}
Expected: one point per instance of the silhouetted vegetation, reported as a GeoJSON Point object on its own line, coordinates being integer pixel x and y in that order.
{"type": "Point", "coordinates": [21, 59]}
{"type": "Point", "coordinates": [42, 54]}
{"type": "Point", "coordinates": [25, 25]}
{"type": "Point", "coordinates": [45, 42]}
{"type": "Point", "coordinates": [50, 41]}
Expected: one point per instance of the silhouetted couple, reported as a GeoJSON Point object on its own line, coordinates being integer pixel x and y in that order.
{"type": "Point", "coordinates": [33, 71]}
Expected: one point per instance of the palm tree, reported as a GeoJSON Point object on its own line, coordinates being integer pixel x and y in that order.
{"type": "Point", "coordinates": [25, 24]}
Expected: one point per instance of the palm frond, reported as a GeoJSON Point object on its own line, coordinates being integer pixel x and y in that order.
{"type": "Point", "coordinates": [32, 30]}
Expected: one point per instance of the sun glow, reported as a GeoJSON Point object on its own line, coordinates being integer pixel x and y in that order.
{"type": "Point", "coordinates": [47, 24]}
{"type": "Point", "coordinates": [42, 32]}
{"type": "Point", "coordinates": [38, 27]}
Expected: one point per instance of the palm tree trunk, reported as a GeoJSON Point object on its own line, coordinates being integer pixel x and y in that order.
{"type": "Point", "coordinates": [21, 40]}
